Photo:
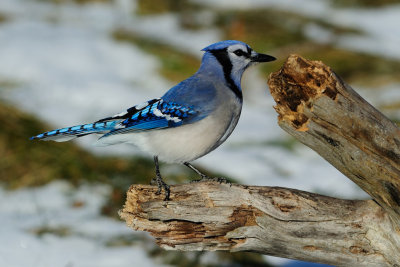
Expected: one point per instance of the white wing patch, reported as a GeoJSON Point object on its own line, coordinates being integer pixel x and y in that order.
{"type": "Point", "coordinates": [168, 117]}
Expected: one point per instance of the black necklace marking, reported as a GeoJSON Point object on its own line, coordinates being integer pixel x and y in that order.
{"type": "Point", "coordinates": [223, 58]}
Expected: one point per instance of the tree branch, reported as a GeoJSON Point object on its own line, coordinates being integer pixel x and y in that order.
{"type": "Point", "coordinates": [326, 114]}
{"type": "Point", "coordinates": [269, 220]}
{"type": "Point", "coordinates": [320, 110]}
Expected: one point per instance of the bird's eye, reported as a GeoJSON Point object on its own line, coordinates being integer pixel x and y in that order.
{"type": "Point", "coordinates": [239, 52]}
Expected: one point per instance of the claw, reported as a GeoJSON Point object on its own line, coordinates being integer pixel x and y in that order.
{"type": "Point", "coordinates": [161, 185]}
{"type": "Point", "coordinates": [160, 182]}
{"type": "Point", "coordinates": [205, 177]}
{"type": "Point", "coordinates": [220, 180]}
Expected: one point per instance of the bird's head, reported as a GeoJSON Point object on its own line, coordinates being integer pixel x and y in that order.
{"type": "Point", "coordinates": [234, 57]}
{"type": "Point", "coordinates": [238, 54]}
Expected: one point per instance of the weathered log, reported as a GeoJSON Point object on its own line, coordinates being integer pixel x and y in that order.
{"type": "Point", "coordinates": [324, 113]}
{"type": "Point", "coordinates": [320, 110]}
{"type": "Point", "coordinates": [269, 220]}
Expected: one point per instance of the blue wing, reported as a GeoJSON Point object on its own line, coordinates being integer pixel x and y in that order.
{"type": "Point", "coordinates": [187, 102]}
{"type": "Point", "coordinates": [155, 114]}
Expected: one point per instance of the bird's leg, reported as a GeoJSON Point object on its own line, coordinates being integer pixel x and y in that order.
{"type": "Point", "coordinates": [159, 181]}
{"type": "Point", "coordinates": [205, 177]}
{"type": "Point", "coordinates": [202, 175]}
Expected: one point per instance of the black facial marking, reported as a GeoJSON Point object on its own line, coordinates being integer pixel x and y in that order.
{"type": "Point", "coordinates": [223, 58]}
{"type": "Point", "coordinates": [239, 52]}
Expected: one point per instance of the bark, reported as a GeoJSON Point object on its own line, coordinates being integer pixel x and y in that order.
{"type": "Point", "coordinates": [326, 114]}
{"type": "Point", "coordinates": [320, 110]}
{"type": "Point", "coordinates": [269, 220]}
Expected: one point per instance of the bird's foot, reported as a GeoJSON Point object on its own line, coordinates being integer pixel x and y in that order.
{"type": "Point", "coordinates": [161, 185]}
{"type": "Point", "coordinates": [205, 178]}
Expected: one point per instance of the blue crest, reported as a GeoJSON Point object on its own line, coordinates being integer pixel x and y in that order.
{"type": "Point", "coordinates": [223, 45]}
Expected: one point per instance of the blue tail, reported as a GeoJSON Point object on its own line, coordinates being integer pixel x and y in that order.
{"type": "Point", "coordinates": [68, 133]}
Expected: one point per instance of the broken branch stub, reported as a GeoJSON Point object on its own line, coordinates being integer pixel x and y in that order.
{"type": "Point", "coordinates": [319, 109]}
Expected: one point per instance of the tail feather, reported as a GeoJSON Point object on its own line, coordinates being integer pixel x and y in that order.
{"type": "Point", "coordinates": [68, 133]}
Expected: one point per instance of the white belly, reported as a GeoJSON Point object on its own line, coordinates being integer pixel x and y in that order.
{"type": "Point", "coordinates": [184, 143]}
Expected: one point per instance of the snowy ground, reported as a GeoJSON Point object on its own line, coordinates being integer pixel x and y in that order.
{"type": "Point", "coordinates": [31, 219]}
{"type": "Point", "coordinates": [68, 70]}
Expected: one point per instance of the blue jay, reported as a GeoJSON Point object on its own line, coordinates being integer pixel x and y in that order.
{"type": "Point", "coordinates": [188, 121]}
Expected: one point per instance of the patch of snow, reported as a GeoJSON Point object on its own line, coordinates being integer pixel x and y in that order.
{"type": "Point", "coordinates": [52, 207]}
{"type": "Point", "coordinates": [319, 34]}
{"type": "Point", "coordinates": [166, 29]}
{"type": "Point", "coordinates": [307, 7]}
{"type": "Point", "coordinates": [379, 25]}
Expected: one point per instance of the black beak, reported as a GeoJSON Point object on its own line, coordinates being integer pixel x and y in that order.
{"type": "Point", "coordinates": [262, 58]}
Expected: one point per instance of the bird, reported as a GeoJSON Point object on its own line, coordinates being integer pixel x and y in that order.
{"type": "Point", "coordinates": [190, 120]}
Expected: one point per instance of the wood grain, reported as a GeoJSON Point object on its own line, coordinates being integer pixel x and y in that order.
{"type": "Point", "coordinates": [269, 220]}
{"type": "Point", "coordinates": [326, 114]}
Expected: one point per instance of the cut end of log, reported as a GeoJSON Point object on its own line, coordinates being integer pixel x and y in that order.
{"type": "Point", "coordinates": [175, 224]}
{"type": "Point", "coordinates": [297, 85]}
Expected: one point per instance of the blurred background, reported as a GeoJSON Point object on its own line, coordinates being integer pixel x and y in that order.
{"type": "Point", "coordinates": [66, 62]}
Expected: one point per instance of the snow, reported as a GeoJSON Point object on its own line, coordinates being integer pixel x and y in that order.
{"type": "Point", "coordinates": [380, 26]}
{"type": "Point", "coordinates": [380, 35]}
{"type": "Point", "coordinates": [307, 7]}
{"type": "Point", "coordinates": [52, 207]}
{"type": "Point", "coordinates": [166, 28]}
